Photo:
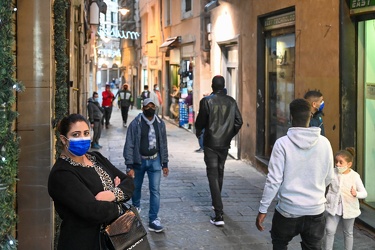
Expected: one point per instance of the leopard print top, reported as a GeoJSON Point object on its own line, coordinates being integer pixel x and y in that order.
{"type": "Point", "coordinates": [104, 176]}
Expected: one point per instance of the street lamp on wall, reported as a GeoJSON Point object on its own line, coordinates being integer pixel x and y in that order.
{"type": "Point", "coordinates": [123, 11]}
{"type": "Point", "coordinates": [211, 5]}
{"type": "Point", "coordinates": [94, 13]}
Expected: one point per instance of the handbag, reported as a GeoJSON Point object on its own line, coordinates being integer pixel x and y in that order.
{"type": "Point", "coordinates": [126, 231]}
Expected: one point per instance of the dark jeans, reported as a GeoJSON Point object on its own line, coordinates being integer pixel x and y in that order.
{"type": "Point", "coordinates": [124, 114]}
{"type": "Point", "coordinates": [215, 160]}
{"type": "Point", "coordinates": [310, 227]}
{"type": "Point", "coordinates": [107, 114]}
{"type": "Point", "coordinates": [97, 131]}
{"type": "Point", "coordinates": [200, 139]}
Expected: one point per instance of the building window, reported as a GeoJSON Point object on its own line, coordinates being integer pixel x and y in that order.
{"type": "Point", "coordinates": [113, 17]}
{"type": "Point", "coordinates": [187, 5]}
{"type": "Point", "coordinates": [186, 8]}
{"type": "Point", "coordinates": [366, 107]}
{"type": "Point", "coordinates": [167, 11]}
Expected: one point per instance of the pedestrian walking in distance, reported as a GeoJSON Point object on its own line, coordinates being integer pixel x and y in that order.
{"type": "Point", "coordinates": [108, 98]}
{"type": "Point", "coordinates": [125, 100]}
{"type": "Point", "coordinates": [299, 171]}
{"type": "Point", "coordinates": [221, 120]}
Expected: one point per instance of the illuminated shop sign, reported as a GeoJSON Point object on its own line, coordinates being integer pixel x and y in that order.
{"type": "Point", "coordinates": [115, 33]}
{"type": "Point", "coordinates": [362, 6]}
{"type": "Point", "coordinates": [112, 53]}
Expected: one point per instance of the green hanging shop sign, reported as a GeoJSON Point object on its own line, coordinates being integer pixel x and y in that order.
{"type": "Point", "coordinates": [361, 6]}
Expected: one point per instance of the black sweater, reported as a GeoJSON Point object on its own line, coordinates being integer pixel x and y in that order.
{"type": "Point", "coordinates": [73, 190]}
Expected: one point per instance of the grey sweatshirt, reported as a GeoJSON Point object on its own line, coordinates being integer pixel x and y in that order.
{"type": "Point", "coordinates": [300, 169]}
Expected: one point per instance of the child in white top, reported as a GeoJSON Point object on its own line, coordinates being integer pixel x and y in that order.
{"type": "Point", "coordinates": [342, 198]}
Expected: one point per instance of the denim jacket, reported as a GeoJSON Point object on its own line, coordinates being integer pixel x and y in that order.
{"type": "Point", "coordinates": [133, 140]}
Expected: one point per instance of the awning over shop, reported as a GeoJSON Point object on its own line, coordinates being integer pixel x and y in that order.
{"type": "Point", "coordinates": [170, 42]}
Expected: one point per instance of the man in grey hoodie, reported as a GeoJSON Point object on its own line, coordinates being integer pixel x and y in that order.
{"type": "Point", "coordinates": [299, 170]}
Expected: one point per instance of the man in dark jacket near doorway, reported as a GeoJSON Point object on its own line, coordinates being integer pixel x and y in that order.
{"type": "Point", "coordinates": [95, 114]}
{"type": "Point", "coordinates": [221, 119]}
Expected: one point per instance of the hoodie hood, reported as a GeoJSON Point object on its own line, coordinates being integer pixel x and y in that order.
{"type": "Point", "coordinates": [304, 138]}
{"type": "Point", "coordinates": [91, 99]}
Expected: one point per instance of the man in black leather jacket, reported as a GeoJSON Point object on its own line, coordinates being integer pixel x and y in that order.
{"type": "Point", "coordinates": [220, 117]}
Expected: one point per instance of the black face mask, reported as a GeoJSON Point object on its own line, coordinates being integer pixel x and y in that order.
{"type": "Point", "coordinates": [149, 112]}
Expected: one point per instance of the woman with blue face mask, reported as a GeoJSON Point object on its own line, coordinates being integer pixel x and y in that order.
{"type": "Point", "coordinates": [85, 187]}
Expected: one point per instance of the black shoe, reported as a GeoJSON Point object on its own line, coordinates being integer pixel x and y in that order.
{"type": "Point", "coordinates": [218, 220]}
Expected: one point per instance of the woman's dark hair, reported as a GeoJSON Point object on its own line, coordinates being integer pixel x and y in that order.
{"type": "Point", "coordinates": [300, 112]}
{"type": "Point", "coordinates": [348, 154]}
{"type": "Point", "coordinates": [67, 121]}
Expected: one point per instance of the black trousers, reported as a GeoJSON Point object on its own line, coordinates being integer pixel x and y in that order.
{"type": "Point", "coordinates": [309, 227]}
{"type": "Point", "coordinates": [215, 161]}
{"type": "Point", "coordinates": [107, 114]}
{"type": "Point", "coordinates": [124, 114]}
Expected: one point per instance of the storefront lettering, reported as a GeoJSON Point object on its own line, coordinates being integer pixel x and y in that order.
{"type": "Point", "coordinates": [109, 53]}
{"type": "Point", "coordinates": [361, 3]}
{"type": "Point", "coordinates": [115, 33]}
{"type": "Point", "coordinates": [283, 20]}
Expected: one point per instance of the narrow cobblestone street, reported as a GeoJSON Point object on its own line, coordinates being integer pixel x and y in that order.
{"type": "Point", "coordinates": [186, 203]}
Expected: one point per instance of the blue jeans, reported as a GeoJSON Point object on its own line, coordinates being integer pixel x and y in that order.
{"type": "Point", "coordinates": [153, 170]}
{"type": "Point", "coordinates": [310, 227]}
{"type": "Point", "coordinates": [200, 139]}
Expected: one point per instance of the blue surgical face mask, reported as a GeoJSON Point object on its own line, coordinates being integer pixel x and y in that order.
{"type": "Point", "coordinates": [96, 99]}
{"type": "Point", "coordinates": [79, 146]}
{"type": "Point", "coordinates": [321, 107]}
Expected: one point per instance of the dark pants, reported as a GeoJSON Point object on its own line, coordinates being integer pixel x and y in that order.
{"type": "Point", "coordinates": [310, 227]}
{"type": "Point", "coordinates": [124, 114]}
{"type": "Point", "coordinates": [215, 161]}
{"type": "Point", "coordinates": [97, 131]}
{"type": "Point", "coordinates": [107, 114]}
{"type": "Point", "coordinates": [200, 139]}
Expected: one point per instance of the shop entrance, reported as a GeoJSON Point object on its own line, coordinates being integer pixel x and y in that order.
{"type": "Point", "coordinates": [276, 86]}
{"type": "Point", "coordinates": [230, 69]}
{"type": "Point", "coordinates": [366, 107]}
{"type": "Point", "coordinates": [279, 86]}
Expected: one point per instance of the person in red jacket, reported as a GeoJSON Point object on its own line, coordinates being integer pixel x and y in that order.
{"type": "Point", "coordinates": [107, 104]}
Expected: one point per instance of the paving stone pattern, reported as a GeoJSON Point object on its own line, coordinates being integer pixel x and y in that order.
{"type": "Point", "coordinates": [185, 199]}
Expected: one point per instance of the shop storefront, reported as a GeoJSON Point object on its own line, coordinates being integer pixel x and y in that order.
{"type": "Point", "coordinates": [180, 75]}
{"type": "Point", "coordinates": [279, 80]}
{"type": "Point", "coordinates": [363, 14]}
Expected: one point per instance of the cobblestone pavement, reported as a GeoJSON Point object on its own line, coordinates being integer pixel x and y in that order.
{"type": "Point", "coordinates": [186, 203]}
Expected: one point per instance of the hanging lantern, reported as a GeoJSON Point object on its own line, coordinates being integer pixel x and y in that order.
{"type": "Point", "coordinates": [94, 13]}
